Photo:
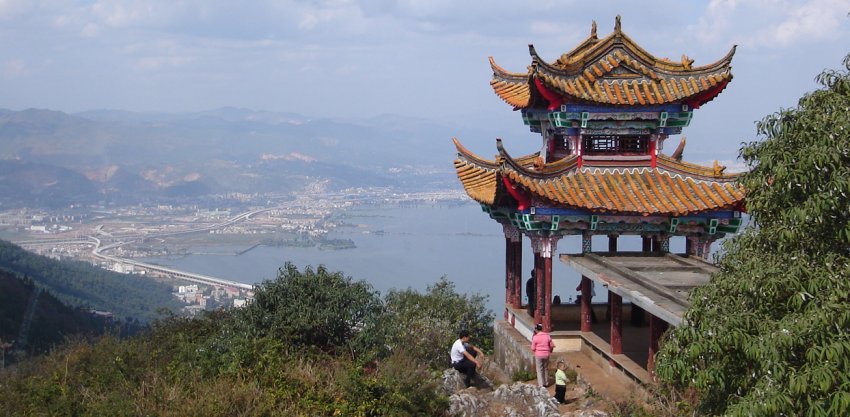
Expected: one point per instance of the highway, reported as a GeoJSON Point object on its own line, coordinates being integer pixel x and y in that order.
{"type": "Point", "coordinates": [188, 276]}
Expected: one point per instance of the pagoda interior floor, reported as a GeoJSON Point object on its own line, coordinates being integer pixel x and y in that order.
{"type": "Point", "coordinates": [635, 339]}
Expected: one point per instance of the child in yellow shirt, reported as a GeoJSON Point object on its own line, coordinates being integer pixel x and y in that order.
{"type": "Point", "coordinates": [560, 382]}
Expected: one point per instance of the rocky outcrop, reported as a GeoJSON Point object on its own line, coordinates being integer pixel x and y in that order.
{"type": "Point", "coordinates": [486, 399]}
{"type": "Point", "coordinates": [510, 400]}
{"type": "Point", "coordinates": [515, 400]}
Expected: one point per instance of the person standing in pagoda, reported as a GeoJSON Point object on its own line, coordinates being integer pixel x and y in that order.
{"type": "Point", "coordinates": [531, 293]}
{"type": "Point", "coordinates": [542, 346]}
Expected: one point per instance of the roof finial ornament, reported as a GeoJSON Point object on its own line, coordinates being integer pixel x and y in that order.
{"type": "Point", "coordinates": [687, 62]}
{"type": "Point", "coordinates": [617, 26]}
{"type": "Point", "coordinates": [593, 30]}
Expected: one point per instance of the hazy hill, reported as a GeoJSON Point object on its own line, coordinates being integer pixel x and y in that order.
{"type": "Point", "coordinates": [54, 158]}
{"type": "Point", "coordinates": [81, 284]}
{"type": "Point", "coordinates": [51, 320]}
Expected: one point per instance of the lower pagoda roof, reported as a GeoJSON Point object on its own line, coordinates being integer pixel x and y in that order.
{"type": "Point", "coordinates": [671, 188]}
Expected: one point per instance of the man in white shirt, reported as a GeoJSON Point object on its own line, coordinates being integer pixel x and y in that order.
{"type": "Point", "coordinates": [462, 359]}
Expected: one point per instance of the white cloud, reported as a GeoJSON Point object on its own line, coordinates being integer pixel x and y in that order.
{"type": "Point", "coordinates": [772, 23]}
{"type": "Point", "coordinates": [90, 30]}
{"type": "Point", "coordinates": [14, 68]}
{"type": "Point", "coordinates": [810, 22]}
{"type": "Point", "coordinates": [11, 8]}
{"type": "Point", "coordinates": [117, 13]}
{"type": "Point", "coordinates": [153, 63]}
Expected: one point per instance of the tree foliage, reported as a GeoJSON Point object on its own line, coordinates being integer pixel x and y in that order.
{"type": "Point", "coordinates": [425, 325]}
{"type": "Point", "coordinates": [313, 308]}
{"type": "Point", "coordinates": [770, 335]}
{"type": "Point", "coordinates": [52, 321]}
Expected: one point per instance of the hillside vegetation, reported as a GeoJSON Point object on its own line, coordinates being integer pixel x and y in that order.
{"type": "Point", "coordinates": [129, 297]}
{"type": "Point", "coordinates": [51, 321]}
{"type": "Point", "coordinates": [312, 343]}
{"type": "Point", "coordinates": [770, 336]}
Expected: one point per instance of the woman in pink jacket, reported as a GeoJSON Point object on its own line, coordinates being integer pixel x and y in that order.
{"type": "Point", "coordinates": [542, 346]}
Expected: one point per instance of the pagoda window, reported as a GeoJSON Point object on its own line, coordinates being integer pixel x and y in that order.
{"type": "Point", "coordinates": [615, 145]}
{"type": "Point", "coordinates": [560, 146]}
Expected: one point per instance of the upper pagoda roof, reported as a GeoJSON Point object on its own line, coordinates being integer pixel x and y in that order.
{"type": "Point", "coordinates": [611, 71]}
{"type": "Point", "coordinates": [672, 188]}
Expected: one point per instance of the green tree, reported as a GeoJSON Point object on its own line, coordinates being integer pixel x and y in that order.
{"type": "Point", "coordinates": [313, 308]}
{"type": "Point", "coordinates": [425, 325]}
{"type": "Point", "coordinates": [770, 335]}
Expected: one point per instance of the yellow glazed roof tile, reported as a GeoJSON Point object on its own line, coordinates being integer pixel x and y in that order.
{"type": "Point", "coordinates": [612, 61]}
{"type": "Point", "coordinates": [644, 190]}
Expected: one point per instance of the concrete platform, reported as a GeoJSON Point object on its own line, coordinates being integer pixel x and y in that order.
{"type": "Point", "coordinates": [583, 352]}
{"type": "Point", "coordinates": [594, 344]}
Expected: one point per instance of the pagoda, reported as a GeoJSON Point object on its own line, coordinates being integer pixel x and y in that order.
{"type": "Point", "coordinates": [603, 111]}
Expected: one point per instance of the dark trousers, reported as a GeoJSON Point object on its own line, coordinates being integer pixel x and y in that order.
{"type": "Point", "coordinates": [560, 392]}
{"type": "Point", "coordinates": [466, 367]}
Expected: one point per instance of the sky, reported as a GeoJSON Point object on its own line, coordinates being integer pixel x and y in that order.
{"type": "Point", "coordinates": [358, 59]}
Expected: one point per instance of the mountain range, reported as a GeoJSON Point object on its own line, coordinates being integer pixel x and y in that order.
{"type": "Point", "coordinates": [54, 159]}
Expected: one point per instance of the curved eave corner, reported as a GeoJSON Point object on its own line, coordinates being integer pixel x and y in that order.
{"type": "Point", "coordinates": [511, 87]}
{"type": "Point", "coordinates": [476, 174]}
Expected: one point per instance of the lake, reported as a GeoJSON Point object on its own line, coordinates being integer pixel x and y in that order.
{"type": "Point", "coordinates": [405, 247]}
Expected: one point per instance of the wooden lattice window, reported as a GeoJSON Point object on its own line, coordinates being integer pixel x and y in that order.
{"type": "Point", "coordinates": [615, 144]}
{"type": "Point", "coordinates": [562, 144]}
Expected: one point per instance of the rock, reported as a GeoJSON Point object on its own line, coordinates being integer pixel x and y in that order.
{"type": "Point", "coordinates": [515, 400]}
{"type": "Point", "coordinates": [518, 399]}
{"type": "Point", "coordinates": [586, 413]}
{"type": "Point", "coordinates": [453, 382]}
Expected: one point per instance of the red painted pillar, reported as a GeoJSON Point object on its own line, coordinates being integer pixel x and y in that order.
{"type": "Point", "coordinates": [509, 272]}
{"type": "Point", "coordinates": [585, 304]}
{"type": "Point", "coordinates": [656, 329]}
{"type": "Point", "coordinates": [540, 288]}
{"type": "Point", "coordinates": [518, 281]}
{"type": "Point", "coordinates": [612, 243]}
{"type": "Point", "coordinates": [547, 279]}
{"type": "Point", "coordinates": [615, 303]}
{"type": "Point", "coordinates": [652, 152]}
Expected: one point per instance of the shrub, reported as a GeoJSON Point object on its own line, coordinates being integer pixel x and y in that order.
{"type": "Point", "coordinates": [312, 308]}
{"type": "Point", "coordinates": [425, 325]}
